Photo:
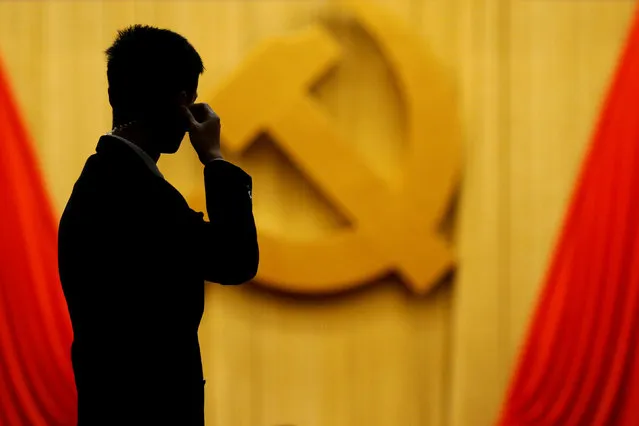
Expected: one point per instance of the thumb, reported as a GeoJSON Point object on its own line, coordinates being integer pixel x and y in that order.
{"type": "Point", "coordinates": [190, 119]}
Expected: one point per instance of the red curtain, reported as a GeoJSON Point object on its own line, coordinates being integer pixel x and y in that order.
{"type": "Point", "coordinates": [580, 363]}
{"type": "Point", "coordinates": [36, 379]}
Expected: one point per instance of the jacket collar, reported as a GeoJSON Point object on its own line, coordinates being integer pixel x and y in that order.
{"type": "Point", "coordinates": [123, 147]}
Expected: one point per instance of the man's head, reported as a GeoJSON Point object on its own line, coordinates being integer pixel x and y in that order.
{"type": "Point", "coordinates": [152, 74]}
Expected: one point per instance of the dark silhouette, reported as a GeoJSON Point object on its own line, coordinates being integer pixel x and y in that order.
{"type": "Point", "coordinates": [133, 257]}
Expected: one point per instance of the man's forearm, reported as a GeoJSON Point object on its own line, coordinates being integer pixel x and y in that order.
{"type": "Point", "coordinates": [232, 225]}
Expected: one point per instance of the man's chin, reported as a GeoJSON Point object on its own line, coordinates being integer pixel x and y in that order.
{"type": "Point", "coordinates": [170, 151]}
{"type": "Point", "coordinates": [172, 148]}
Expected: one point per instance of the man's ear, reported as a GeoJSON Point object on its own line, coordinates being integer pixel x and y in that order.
{"type": "Point", "coordinates": [111, 100]}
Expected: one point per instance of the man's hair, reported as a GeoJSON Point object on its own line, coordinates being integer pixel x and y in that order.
{"type": "Point", "coordinates": [147, 65]}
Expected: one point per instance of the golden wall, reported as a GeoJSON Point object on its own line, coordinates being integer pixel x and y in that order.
{"type": "Point", "coordinates": [530, 74]}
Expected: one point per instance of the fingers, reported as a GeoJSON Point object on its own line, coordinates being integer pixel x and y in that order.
{"type": "Point", "coordinates": [198, 114]}
{"type": "Point", "coordinates": [192, 122]}
{"type": "Point", "coordinates": [203, 112]}
{"type": "Point", "coordinates": [209, 111]}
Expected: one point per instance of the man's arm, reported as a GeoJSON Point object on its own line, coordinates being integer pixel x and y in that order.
{"type": "Point", "coordinates": [227, 245]}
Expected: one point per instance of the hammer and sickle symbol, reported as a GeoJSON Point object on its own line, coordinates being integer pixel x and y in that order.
{"type": "Point", "coordinates": [392, 230]}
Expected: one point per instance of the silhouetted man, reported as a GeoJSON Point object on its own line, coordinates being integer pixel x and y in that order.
{"type": "Point", "coordinates": [133, 257]}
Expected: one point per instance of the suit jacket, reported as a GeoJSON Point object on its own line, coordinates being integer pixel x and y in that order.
{"type": "Point", "coordinates": [133, 258]}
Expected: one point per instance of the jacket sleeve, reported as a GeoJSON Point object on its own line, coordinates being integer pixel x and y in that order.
{"type": "Point", "coordinates": [227, 246]}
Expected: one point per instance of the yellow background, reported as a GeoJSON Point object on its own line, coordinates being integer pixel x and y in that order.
{"type": "Point", "coordinates": [531, 74]}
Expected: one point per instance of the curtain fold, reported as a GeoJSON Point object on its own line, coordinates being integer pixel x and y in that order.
{"type": "Point", "coordinates": [36, 378]}
{"type": "Point", "coordinates": [579, 364]}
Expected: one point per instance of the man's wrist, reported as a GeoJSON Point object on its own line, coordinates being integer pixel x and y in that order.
{"type": "Point", "coordinates": [210, 156]}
